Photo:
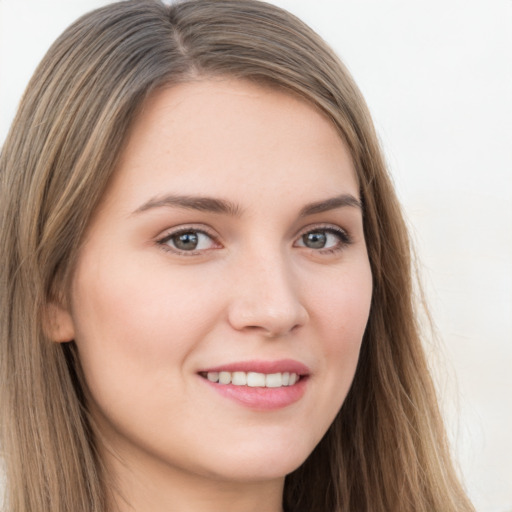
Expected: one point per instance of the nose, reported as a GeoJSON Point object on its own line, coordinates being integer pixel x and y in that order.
{"type": "Point", "coordinates": [266, 298]}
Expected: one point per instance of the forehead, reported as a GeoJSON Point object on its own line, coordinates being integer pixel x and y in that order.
{"type": "Point", "coordinates": [228, 135]}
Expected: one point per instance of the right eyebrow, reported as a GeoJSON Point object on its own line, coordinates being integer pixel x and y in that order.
{"type": "Point", "coordinates": [199, 203]}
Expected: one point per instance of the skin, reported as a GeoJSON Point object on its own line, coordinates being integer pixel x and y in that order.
{"type": "Point", "coordinates": [147, 317]}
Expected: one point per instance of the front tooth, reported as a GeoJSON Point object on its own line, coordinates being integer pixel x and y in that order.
{"type": "Point", "coordinates": [224, 377]}
{"type": "Point", "coordinates": [285, 379]}
{"type": "Point", "coordinates": [213, 376]}
{"type": "Point", "coordinates": [239, 378]}
{"type": "Point", "coordinates": [255, 380]}
{"type": "Point", "coordinates": [273, 380]}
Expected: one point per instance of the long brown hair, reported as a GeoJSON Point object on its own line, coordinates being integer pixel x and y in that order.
{"type": "Point", "coordinates": [386, 450]}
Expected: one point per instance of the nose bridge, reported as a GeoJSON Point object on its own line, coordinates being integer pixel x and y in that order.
{"type": "Point", "coordinates": [265, 294]}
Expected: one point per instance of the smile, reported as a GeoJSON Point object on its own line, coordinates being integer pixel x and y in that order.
{"type": "Point", "coordinates": [259, 385]}
{"type": "Point", "coordinates": [253, 379]}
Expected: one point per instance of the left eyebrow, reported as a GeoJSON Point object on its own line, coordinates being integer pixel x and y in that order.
{"type": "Point", "coordinates": [331, 204]}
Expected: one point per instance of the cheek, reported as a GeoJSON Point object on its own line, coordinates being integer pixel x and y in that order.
{"type": "Point", "coordinates": [339, 306]}
{"type": "Point", "coordinates": [137, 304]}
{"type": "Point", "coordinates": [344, 305]}
{"type": "Point", "coordinates": [136, 323]}
{"type": "Point", "coordinates": [135, 328]}
{"type": "Point", "coordinates": [342, 314]}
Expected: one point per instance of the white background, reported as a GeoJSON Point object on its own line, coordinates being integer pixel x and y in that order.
{"type": "Point", "coordinates": [437, 76]}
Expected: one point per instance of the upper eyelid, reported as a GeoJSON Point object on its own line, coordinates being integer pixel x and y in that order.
{"type": "Point", "coordinates": [322, 226]}
{"type": "Point", "coordinates": [213, 233]}
{"type": "Point", "coordinates": [183, 228]}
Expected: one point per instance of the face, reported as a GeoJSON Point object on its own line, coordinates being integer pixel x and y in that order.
{"type": "Point", "coordinates": [223, 286]}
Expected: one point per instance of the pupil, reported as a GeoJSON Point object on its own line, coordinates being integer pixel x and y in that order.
{"type": "Point", "coordinates": [315, 240]}
{"type": "Point", "coordinates": [186, 241]}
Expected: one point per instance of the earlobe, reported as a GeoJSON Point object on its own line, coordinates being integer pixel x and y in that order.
{"type": "Point", "coordinates": [58, 323]}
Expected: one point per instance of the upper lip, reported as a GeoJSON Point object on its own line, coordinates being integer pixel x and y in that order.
{"type": "Point", "coordinates": [261, 366]}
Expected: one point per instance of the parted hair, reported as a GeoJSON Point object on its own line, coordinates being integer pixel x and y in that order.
{"type": "Point", "coordinates": [386, 450]}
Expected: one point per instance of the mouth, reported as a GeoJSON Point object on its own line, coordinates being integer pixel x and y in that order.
{"type": "Point", "coordinates": [259, 385]}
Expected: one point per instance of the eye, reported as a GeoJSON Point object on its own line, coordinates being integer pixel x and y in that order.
{"type": "Point", "coordinates": [328, 238]}
{"type": "Point", "coordinates": [188, 240]}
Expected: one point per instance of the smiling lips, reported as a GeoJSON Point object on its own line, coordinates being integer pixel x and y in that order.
{"type": "Point", "coordinates": [259, 384]}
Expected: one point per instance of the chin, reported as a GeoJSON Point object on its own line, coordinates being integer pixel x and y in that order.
{"type": "Point", "coordinates": [264, 462]}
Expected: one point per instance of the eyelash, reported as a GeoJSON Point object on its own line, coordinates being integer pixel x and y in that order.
{"type": "Point", "coordinates": [182, 231]}
{"type": "Point", "coordinates": [344, 239]}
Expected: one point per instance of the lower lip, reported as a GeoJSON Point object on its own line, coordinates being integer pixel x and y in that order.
{"type": "Point", "coordinates": [261, 398]}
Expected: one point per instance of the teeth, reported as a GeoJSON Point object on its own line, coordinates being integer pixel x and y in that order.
{"type": "Point", "coordinates": [274, 380]}
{"type": "Point", "coordinates": [224, 377]}
{"type": "Point", "coordinates": [239, 378]}
{"type": "Point", "coordinates": [254, 379]}
{"type": "Point", "coordinates": [213, 376]}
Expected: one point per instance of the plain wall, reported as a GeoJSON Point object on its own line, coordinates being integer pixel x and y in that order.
{"type": "Point", "coordinates": [437, 76]}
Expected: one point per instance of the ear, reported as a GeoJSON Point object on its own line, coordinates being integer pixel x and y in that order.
{"type": "Point", "coordinates": [58, 323]}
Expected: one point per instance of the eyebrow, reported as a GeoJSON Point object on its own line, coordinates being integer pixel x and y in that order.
{"type": "Point", "coordinates": [332, 203]}
{"type": "Point", "coordinates": [223, 206]}
{"type": "Point", "coordinates": [199, 203]}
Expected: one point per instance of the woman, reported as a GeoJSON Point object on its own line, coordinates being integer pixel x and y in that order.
{"type": "Point", "coordinates": [206, 278]}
